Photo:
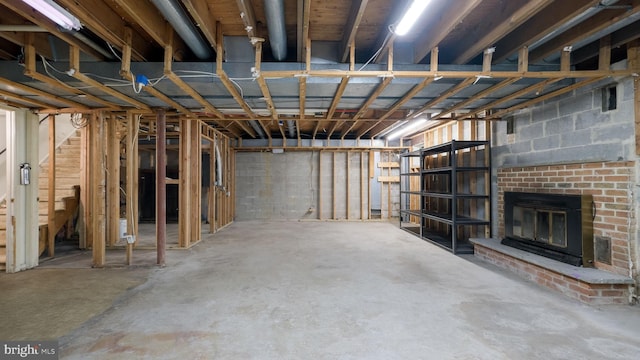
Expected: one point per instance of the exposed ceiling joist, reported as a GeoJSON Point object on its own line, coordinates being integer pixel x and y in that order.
{"type": "Point", "coordinates": [618, 38]}
{"type": "Point", "coordinates": [351, 28]}
{"type": "Point", "coordinates": [151, 20]}
{"type": "Point", "coordinates": [540, 25]}
{"type": "Point", "coordinates": [585, 29]}
{"type": "Point", "coordinates": [200, 12]}
{"type": "Point", "coordinates": [520, 16]}
{"type": "Point", "coordinates": [446, 23]}
{"type": "Point", "coordinates": [106, 23]}
{"type": "Point", "coordinates": [453, 90]}
{"type": "Point", "coordinates": [482, 94]}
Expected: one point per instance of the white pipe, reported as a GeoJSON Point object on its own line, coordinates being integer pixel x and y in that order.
{"type": "Point", "coordinates": [218, 181]}
{"type": "Point", "coordinates": [291, 128]}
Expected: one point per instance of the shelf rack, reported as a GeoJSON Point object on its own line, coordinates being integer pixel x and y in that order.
{"type": "Point", "coordinates": [445, 193]}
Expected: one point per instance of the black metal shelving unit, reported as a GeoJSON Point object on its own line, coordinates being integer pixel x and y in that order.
{"type": "Point", "coordinates": [445, 194]}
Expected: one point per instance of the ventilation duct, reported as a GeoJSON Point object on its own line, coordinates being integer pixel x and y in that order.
{"type": "Point", "coordinates": [257, 128]}
{"type": "Point", "coordinates": [176, 16]}
{"type": "Point", "coordinates": [274, 11]}
{"type": "Point", "coordinates": [291, 128]}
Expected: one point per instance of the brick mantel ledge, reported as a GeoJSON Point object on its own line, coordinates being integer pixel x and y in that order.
{"type": "Point", "coordinates": [588, 285]}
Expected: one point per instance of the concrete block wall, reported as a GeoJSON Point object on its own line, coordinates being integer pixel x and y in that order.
{"type": "Point", "coordinates": [570, 128]}
{"type": "Point", "coordinates": [302, 185]}
{"type": "Point", "coordinates": [276, 186]}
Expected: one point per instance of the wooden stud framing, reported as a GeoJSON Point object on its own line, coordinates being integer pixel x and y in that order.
{"type": "Point", "coordinates": [132, 180]}
{"type": "Point", "coordinates": [565, 59]}
{"type": "Point", "coordinates": [333, 185]}
{"type": "Point", "coordinates": [113, 181]}
{"type": "Point", "coordinates": [84, 213]}
{"type": "Point", "coordinates": [347, 183]}
{"type": "Point", "coordinates": [195, 189]}
{"type": "Point", "coordinates": [604, 59]}
{"type": "Point", "coordinates": [98, 187]}
{"type": "Point", "coordinates": [161, 187]}
{"type": "Point", "coordinates": [212, 185]}
{"type": "Point", "coordinates": [184, 215]}
{"type": "Point", "coordinates": [523, 59]}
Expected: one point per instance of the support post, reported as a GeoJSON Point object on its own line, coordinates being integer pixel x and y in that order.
{"type": "Point", "coordinates": [132, 175]}
{"type": "Point", "coordinates": [51, 196]}
{"type": "Point", "coordinates": [161, 186]}
{"type": "Point", "coordinates": [195, 190]}
{"type": "Point", "coordinates": [98, 185]}
{"type": "Point", "coordinates": [113, 182]}
{"type": "Point", "coordinates": [184, 214]}
{"type": "Point", "coordinates": [22, 246]}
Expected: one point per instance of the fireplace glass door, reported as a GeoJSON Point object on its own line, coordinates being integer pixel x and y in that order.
{"type": "Point", "coordinates": [541, 225]}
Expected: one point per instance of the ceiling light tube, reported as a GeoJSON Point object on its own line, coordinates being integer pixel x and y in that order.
{"type": "Point", "coordinates": [412, 126]}
{"type": "Point", "coordinates": [55, 13]}
{"type": "Point", "coordinates": [411, 16]}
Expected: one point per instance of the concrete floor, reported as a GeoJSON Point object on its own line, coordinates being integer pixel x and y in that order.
{"type": "Point", "coordinates": [308, 290]}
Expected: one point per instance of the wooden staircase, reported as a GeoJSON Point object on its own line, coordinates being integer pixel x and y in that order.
{"type": "Point", "coordinates": [67, 194]}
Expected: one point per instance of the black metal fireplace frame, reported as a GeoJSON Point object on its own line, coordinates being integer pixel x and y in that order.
{"type": "Point", "coordinates": [579, 211]}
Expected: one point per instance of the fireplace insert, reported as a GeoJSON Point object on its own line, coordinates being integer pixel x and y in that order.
{"type": "Point", "coordinates": [557, 226]}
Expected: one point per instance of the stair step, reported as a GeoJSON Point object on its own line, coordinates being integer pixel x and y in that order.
{"type": "Point", "coordinates": [3, 238]}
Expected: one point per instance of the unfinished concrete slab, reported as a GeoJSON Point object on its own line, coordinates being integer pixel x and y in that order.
{"type": "Point", "coordinates": [346, 290]}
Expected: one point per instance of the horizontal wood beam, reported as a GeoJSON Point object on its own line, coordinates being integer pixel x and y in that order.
{"type": "Point", "coordinates": [277, 74]}
{"type": "Point", "coordinates": [563, 90]}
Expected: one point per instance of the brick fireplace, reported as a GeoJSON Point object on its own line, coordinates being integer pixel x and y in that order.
{"type": "Point", "coordinates": [610, 185]}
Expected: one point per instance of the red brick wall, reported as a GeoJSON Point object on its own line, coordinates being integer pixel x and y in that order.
{"type": "Point", "coordinates": [610, 184]}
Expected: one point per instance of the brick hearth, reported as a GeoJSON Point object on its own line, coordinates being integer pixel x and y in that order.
{"type": "Point", "coordinates": [588, 285]}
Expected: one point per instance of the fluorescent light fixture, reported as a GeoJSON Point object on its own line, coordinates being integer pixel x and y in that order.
{"type": "Point", "coordinates": [411, 126]}
{"type": "Point", "coordinates": [411, 16]}
{"type": "Point", "coordinates": [55, 13]}
{"type": "Point", "coordinates": [393, 128]}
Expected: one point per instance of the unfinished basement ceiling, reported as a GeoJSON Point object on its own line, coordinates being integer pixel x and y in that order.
{"type": "Point", "coordinates": [472, 59]}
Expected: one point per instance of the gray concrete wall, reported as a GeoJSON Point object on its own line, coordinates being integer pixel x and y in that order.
{"type": "Point", "coordinates": [302, 185]}
{"type": "Point", "coordinates": [276, 186]}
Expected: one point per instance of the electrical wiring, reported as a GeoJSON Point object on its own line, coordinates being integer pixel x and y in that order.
{"type": "Point", "coordinates": [45, 64]}
{"type": "Point", "coordinates": [384, 44]}
{"type": "Point", "coordinates": [137, 89]}
{"type": "Point", "coordinates": [113, 51]}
